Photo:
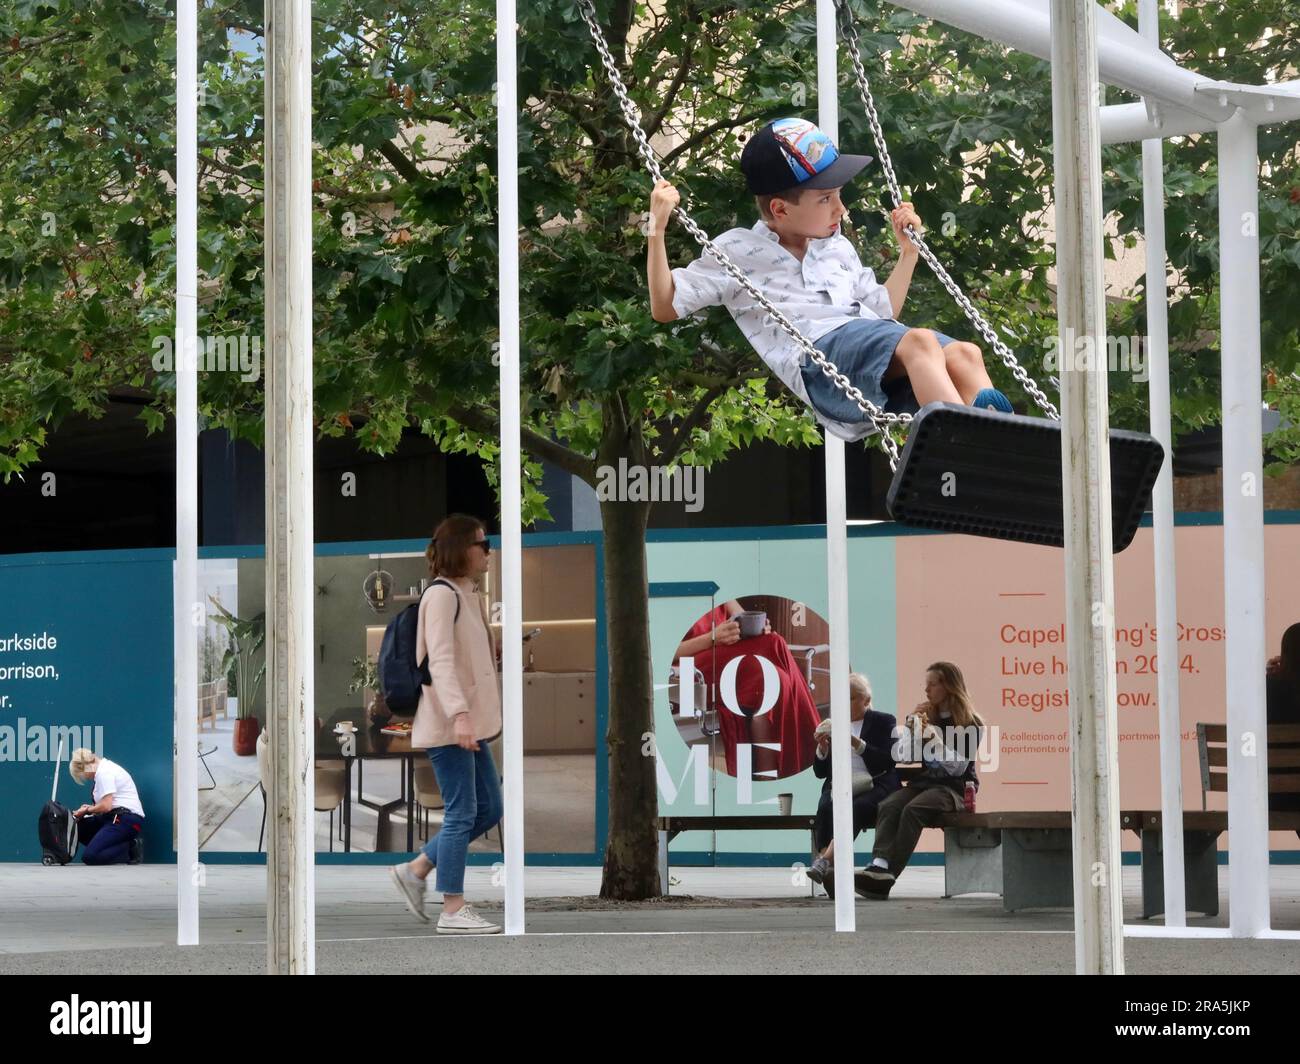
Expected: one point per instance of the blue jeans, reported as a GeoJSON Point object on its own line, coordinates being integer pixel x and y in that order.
{"type": "Point", "coordinates": [861, 350]}
{"type": "Point", "coordinates": [111, 844]}
{"type": "Point", "coordinates": [471, 792]}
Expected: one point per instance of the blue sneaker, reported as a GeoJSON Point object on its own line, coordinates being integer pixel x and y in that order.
{"type": "Point", "coordinates": [992, 399]}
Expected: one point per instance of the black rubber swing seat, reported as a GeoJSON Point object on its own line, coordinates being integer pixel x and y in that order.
{"type": "Point", "coordinates": [982, 473]}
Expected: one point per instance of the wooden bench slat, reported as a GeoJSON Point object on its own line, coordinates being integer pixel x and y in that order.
{"type": "Point", "coordinates": [1278, 734]}
{"type": "Point", "coordinates": [773, 822]}
{"type": "Point", "coordinates": [1208, 820]}
{"type": "Point", "coordinates": [1047, 820]}
{"type": "Point", "coordinates": [1283, 752]}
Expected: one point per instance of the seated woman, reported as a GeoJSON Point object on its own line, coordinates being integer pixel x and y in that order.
{"type": "Point", "coordinates": [109, 830]}
{"type": "Point", "coordinates": [713, 641]}
{"type": "Point", "coordinates": [874, 744]}
{"type": "Point", "coordinates": [949, 730]}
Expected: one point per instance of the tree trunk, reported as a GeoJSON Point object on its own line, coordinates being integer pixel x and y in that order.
{"type": "Point", "coordinates": [631, 868]}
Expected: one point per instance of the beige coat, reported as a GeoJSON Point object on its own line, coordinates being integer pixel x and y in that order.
{"type": "Point", "coordinates": [462, 666]}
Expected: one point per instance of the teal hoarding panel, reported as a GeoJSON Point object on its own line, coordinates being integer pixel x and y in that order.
{"type": "Point", "coordinates": [86, 657]}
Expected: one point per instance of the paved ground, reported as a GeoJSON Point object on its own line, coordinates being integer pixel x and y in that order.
{"type": "Point", "coordinates": [121, 919]}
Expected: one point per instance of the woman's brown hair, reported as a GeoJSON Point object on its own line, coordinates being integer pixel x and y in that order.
{"type": "Point", "coordinates": [1291, 652]}
{"type": "Point", "coordinates": [453, 539]}
{"type": "Point", "coordinates": [958, 702]}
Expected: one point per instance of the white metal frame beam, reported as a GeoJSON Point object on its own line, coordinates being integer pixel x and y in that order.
{"type": "Point", "coordinates": [185, 573]}
{"type": "Point", "coordinates": [1166, 576]}
{"type": "Point", "coordinates": [511, 507]}
{"type": "Point", "coordinates": [1123, 59]}
{"type": "Point", "coordinates": [837, 550]}
{"type": "Point", "coordinates": [1243, 527]}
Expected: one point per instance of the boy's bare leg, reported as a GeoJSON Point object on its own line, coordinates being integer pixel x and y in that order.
{"type": "Point", "coordinates": [923, 360]}
{"type": "Point", "coordinates": [965, 363]}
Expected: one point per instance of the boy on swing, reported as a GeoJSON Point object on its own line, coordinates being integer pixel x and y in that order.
{"type": "Point", "coordinates": [797, 257]}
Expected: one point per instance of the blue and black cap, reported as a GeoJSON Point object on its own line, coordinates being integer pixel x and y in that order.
{"type": "Point", "coordinates": [794, 153]}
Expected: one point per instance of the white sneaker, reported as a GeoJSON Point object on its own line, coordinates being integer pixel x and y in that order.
{"type": "Point", "coordinates": [465, 921]}
{"type": "Point", "coordinates": [412, 890]}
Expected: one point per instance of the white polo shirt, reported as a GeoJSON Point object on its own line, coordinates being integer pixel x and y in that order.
{"type": "Point", "coordinates": [112, 778]}
{"type": "Point", "coordinates": [829, 288]}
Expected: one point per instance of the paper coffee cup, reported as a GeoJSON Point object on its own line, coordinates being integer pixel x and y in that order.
{"type": "Point", "coordinates": [787, 803]}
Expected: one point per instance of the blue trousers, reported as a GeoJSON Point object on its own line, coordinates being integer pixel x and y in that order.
{"type": "Point", "coordinates": [864, 813]}
{"type": "Point", "coordinates": [471, 792]}
{"type": "Point", "coordinates": [111, 844]}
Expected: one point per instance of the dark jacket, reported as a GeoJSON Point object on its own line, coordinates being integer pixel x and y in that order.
{"type": "Point", "coordinates": [1283, 707]}
{"type": "Point", "coordinates": [877, 731]}
{"type": "Point", "coordinates": [1282, 695]}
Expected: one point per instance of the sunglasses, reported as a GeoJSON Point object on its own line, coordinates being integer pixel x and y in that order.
{"type": "Point", "coordinates": [487, 547]}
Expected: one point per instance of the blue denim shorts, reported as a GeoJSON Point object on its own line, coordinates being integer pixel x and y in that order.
{"type": "Point", "coordinates": [862, 350]}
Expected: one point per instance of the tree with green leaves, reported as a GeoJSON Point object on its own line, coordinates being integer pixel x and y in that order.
{"type": "Point", "coordinates": [405, 237]}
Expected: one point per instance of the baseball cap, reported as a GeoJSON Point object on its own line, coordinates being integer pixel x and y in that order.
{"type": "Point", "coordinates": [794, 153]}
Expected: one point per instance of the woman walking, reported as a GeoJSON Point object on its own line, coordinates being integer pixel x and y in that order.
{"type": "Point", "coordinates": [459, 711]}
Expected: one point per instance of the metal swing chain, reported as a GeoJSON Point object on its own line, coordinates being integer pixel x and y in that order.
{"type": "Point", "coordinates": [895, 193]}
{"type": "Point", "coordinates": [879, 418]}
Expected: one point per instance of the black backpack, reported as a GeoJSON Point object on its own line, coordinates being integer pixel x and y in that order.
{"type": "Point", "coordinates": [57, 827]}
{"type": "Point", "coordinates": [400, 677]}
{"type": "Point", "coordinates": [57, 830]}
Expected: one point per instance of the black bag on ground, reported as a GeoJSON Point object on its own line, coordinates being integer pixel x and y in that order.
{"type": "Point", "coordinates": [400, 677]}
{"type": "Point", "coordinates": [57, 827]}
{"type": "Point", "coordinates": [58, 833]}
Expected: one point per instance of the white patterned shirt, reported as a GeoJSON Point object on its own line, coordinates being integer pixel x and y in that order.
{"type": "Point", "coordinates": [829, 288]}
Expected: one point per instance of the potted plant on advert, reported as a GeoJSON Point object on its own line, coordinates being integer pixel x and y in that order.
{"type": "Point", "coordinates": [365, 677]}
{"type": "Point", "coordinates": [243, 673]}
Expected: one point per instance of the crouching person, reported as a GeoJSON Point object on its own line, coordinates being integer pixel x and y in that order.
{"type": "Point", "coordinates": [109, 829]}
{"type": "Point", "coordinates": [949, 730]}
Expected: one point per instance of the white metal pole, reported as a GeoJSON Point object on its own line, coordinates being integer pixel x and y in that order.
{"type": "Point", "coordinates": [1243, 526]}
{"type": "Point", "coordinates": [185, 593]}
{"type": "Point", "coordinates": [1085, 452]}
{"type": "Point", "coordinates": [511, 510]}
{"type": "Point", "coordinates": [837, 546]}
{"type": "Point", "coordinates": [1122, 122]}
{"type": "Point", "coordinates": [290, 583]}
{"type": "Point", "coordinates": [1157, 367]}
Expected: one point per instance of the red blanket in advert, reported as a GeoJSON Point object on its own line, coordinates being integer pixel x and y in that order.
{"type": "Point", "coordinates": [792, 718]}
